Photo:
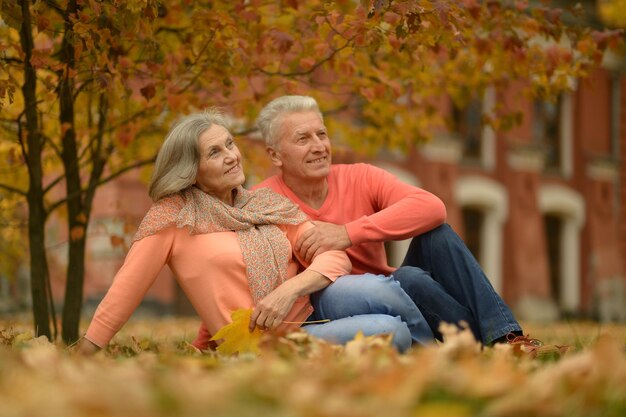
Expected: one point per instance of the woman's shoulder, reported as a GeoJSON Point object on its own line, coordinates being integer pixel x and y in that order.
{"type": "Point", "coordinates": [265, 193]}
{"type": "Point", "coordinates": [170, 202]}
{"type": "Point", "coordinates": [162, 214]}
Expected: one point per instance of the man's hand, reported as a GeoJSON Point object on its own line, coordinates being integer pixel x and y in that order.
{"type": "Point", "coordinates": [321, 238]}
{"type": "Point", "coordinates": [272, 309]}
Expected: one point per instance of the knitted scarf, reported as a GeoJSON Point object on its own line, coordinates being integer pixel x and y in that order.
{"type": "Point", "coordinates": [253, 217]}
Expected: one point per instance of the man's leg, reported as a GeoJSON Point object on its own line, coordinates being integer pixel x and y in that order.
{"type": "Point", "coordinates": [443, 254]}
{"type": "Point", "coordinates": [343, 330]}
{"type": "Point", "coordinates": [433, 301]}
{"type": "Point", "coordinates": [353, 295]}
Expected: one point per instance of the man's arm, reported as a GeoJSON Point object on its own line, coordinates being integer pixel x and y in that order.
{"type": "Point", "coordinates": [401, 211]}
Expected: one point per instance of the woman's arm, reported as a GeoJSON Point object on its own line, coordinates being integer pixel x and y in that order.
{"type": "Point", "coordinates": [325, 268]}
{"type": "Point", "coordinates": [270, 312]}
{"type": "Point", "coordinates": [143, 263]}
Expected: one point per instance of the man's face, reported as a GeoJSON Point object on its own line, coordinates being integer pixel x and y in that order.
{"type": "Point", "coordinates": [302, 150]}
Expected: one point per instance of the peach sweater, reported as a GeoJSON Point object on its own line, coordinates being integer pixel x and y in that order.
{"type": "Point", "coordinates": [210, 270]}
{"type": "Point", "coordinates": [374, 206]}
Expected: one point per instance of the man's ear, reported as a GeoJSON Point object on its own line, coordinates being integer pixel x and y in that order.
{"type": "Point", "coordinates": [274, 156]}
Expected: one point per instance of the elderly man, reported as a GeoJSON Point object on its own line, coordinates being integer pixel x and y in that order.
{"type": "Point", "coordinates": [357, 208]}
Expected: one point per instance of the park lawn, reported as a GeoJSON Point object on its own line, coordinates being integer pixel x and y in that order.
{"type": "Point", "coordinates": [150, 370]}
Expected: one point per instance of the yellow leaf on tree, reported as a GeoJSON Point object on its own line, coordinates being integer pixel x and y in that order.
{"type": "Point", "coordinates": [236, 337]}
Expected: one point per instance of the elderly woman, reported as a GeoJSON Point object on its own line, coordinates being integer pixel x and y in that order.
{"type": "Point", "coordinates": [229, 248]}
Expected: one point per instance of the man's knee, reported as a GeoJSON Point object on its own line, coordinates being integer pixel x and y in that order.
{"type": "Point", "coordinates": [443, 233]}
{"type": "Point", "coordinates": [417, 283]}
{"type": "Point", "coordinates": [412, 275]}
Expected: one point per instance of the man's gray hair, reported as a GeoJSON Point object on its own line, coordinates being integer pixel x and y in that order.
{"type": "Point", "coordinates": [177, 162]}
{"type": "Point", "coordinates": [269, 121]}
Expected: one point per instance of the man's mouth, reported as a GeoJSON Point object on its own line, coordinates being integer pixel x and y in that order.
{"type": "Point", "coordinates": [318, 160]}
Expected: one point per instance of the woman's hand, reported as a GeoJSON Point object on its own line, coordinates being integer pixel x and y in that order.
{"type": "Point", "coordinates": [86, 347]}
{"type": "Point", "coordinates": [272, 309]}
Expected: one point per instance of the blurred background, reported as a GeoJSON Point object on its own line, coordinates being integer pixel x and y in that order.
{"type": "Point", "coordinates": [541, 204]}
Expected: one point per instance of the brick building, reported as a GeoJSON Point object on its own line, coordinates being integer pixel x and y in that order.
{"type": "Point", "coordinates": [541, 206]}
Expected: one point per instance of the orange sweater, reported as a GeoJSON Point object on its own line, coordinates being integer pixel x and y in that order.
{"type": "Point", "coordinates": [210, 270]}
{"type": "Point", "coordinates": [374, 206]}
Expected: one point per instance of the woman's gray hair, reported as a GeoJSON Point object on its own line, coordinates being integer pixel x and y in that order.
{"type": "Point", "coordinates": [268, 121]}
{"type": "Point", "coordinates": [177, 162]}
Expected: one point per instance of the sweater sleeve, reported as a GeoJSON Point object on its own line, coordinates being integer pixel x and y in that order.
{"type": "Point", "coordinates": [332, 264]}
{"type": "Point", "coordinates": [401, 210]}
{"type": "Point", "coordinates": [142, 265]}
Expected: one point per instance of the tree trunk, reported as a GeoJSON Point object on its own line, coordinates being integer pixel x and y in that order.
{"type": "Point", "coordinates": [36, 209]}
{"type": "Point", "coordinates": [77, 218]}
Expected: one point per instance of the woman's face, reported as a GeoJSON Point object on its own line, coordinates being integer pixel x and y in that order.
{"type": "Point", "coordinates": [219, 169]}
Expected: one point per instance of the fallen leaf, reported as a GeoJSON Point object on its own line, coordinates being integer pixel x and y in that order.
{"type": "Point", "coordinates": [236, 337]}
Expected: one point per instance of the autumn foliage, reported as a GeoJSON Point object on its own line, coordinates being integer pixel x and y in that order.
{"type": "Point", "coordinates": [150, 370]}
{"type": "Point", "coordinates": [88, 87]}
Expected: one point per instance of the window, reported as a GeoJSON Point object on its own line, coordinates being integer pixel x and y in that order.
{"type": "Point", "coordinates": [547, 131]}
{"type": "Point", "coordinates": [484, 207]}
{"type": "Point", "coordinates": [554, 232]}
{"type": "Point", "coordinates": [473, 222]}
{"type": "Point", "coordinates": [564, 216]}
{"type": "Point", "coordinates": [467, 124]}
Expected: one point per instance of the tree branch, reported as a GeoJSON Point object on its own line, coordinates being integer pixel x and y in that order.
{"type": "Point", "coordinates": [127, 168]}
{"type": "Point", "coordinates": [307, 72]}
{"type": "Point", "coordinates": [22, 146]}
{"type": "Point", "coordinates": [141, 113]}
{"type": "Point", "coordinates": [193, 64]}
{"type": "Point", "coordinates": [13, 189]}
{"type": "Point", "coordinates": [11, 60]}
{"type": "Point", "coordinates": [54, 6]}
{"type": "Point", "coordinates": [111, 177]}
{"type": "Point", "coordinates": [53, 183]}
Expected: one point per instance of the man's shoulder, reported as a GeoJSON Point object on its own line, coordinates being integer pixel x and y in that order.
{"type": "Point", "coordinates": [351, 169]}
{"type": "Point", "coordinates": [274, 183]}
{"type": "Point", "coordinates": [354, 172]}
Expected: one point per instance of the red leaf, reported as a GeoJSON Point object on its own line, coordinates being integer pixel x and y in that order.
{"type": "Point", "coordinates": [148, 91]}
{"type": "Point", "coordinates": [42, 23]}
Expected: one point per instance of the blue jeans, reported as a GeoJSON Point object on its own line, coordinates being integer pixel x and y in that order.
{"type": "Point", "coordinates": [345, 329]}
{"type": "Point", "coordinates": [370, 296]}
{"type": "Point", "coordinates": [445, 281]}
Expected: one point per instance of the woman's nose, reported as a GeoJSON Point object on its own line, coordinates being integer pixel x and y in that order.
{"type": "Point", "coordinates": [231, 154]}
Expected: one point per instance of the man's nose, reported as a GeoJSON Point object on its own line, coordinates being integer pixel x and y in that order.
{"type": "Point", "coordinates": [318, 144]}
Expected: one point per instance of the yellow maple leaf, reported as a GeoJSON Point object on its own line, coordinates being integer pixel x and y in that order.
{"type": "Point", "coordinates": [236, 337]}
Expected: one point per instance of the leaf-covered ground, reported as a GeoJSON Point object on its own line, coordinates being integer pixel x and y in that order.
{"type": "Point", "coordinates": [150, 370]}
